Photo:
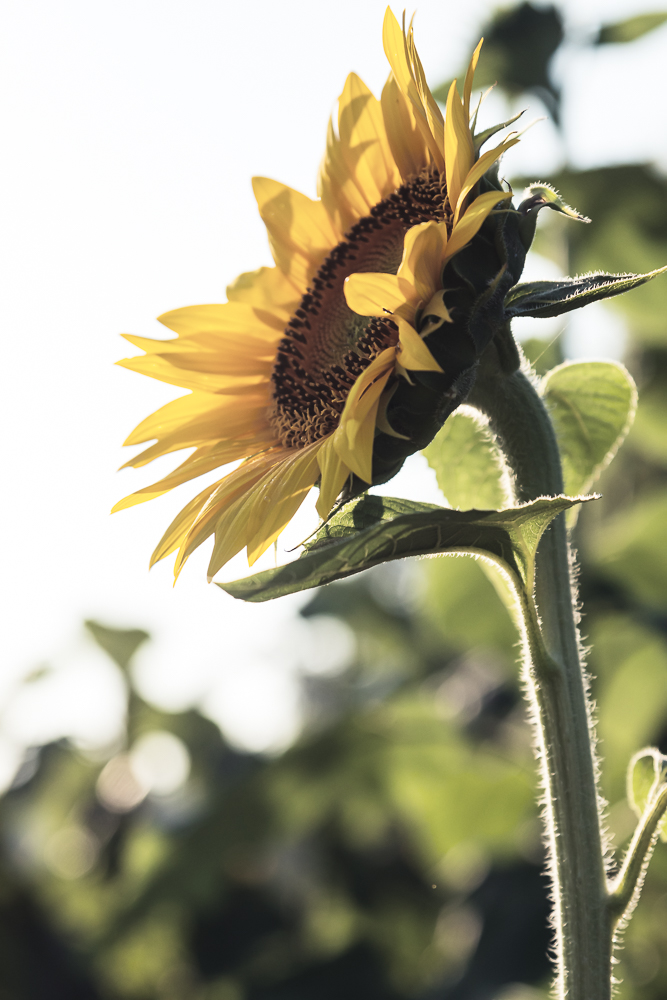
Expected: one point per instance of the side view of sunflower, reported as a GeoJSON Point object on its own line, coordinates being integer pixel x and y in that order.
{"type": "Point", "coordinates": [347, 356]}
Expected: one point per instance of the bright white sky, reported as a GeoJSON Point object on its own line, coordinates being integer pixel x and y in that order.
{"type": "Point", "coordinates": [131, 130]}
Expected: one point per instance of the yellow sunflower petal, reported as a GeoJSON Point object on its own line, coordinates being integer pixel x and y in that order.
{"type": "Point", "coordinates": [398, 55]}
{"type": "Point", "coordinates": [353, 438]}
{"type": "Point", "coordinates": [364, 143]}
{"type": "Point", "coordinates": [203, 460]}
{"type": "Point", "coordinates": [459, 149]}
{"type": "Point", "coordinates": [300, 231]}
{"type": "Point", "coordinates": [177, 426]}
{"type": "Point", "coordinates": [164, 371]}
{"type": "Point", "coordinates": [266, 288]}
{"type": "Point", "coordinates": [467, 86]}
{"type": "Point", "coordinates": [478, 171]}
{"type": "Point", "coordinates": [434, 313]}
{"type": "Point", "coordinates": [179, 527]}
{"type": "Point", "coordinates": [240, 362]}
{"type": "Point", "coordinates": [433, 113]}
{"type": "Point", "coordinates": [236, 318]}
{"type": "Point", "coordinates": [230, 449]}
{"type": "Point", "coordinates": [373, 293]}
{"type": "Point", "coordinates": [277, 498]}
{"type": "Point", "coordinates": [222, 502]}
{"type": "Point", "coordinates": [344, 202]}
{"type": "Point", "coordinates": [413, 354]}
{"type": "Point", "coordinates": [423, 254]}
{"type": "Point", "coordinates": [255, 515]}
{"type": "Point", "coordinates": [334, 472]}
{"type": "Point", "coordinates": [171, 416]}
{"type": "Point", "coordinates": [473, 219]}
{"type": "Point", "coordinates": [403, 134]}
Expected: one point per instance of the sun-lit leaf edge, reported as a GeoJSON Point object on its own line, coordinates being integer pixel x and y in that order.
{"type": "Point", "coordinates": [639, 803]}
{"type": "Point", "coordinates": [507, 537]}
{"type": "Point", "coordinates": [544, 299]}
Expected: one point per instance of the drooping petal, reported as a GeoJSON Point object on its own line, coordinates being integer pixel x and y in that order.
{"type": "Point", "coordinates": [278, 496]}
{"type": "Point", "coordinates": [179, 527]}
{"type": "Point", "coordinates": [203, 460]}
{"type": "Point", "coordinates": [353, 438]}
{"type": "Point", "coordinates": [334, 474]}
{"type": "Point", "coordinates": [229, 490]}
{"type": "Point", "coordinates": [256, 514]}
{"type": "Point", "coordinates": [413, 354]}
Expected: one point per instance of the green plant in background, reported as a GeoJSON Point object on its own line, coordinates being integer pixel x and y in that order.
{"type": "Point", "coordinates": [394, 851]}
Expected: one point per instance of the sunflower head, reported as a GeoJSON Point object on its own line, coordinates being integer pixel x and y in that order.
{"type": "Point", "coordinates": [333, 366]}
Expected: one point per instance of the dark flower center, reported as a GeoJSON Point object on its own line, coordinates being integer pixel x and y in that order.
{"type": "Point", "coordinates": [326, 346]}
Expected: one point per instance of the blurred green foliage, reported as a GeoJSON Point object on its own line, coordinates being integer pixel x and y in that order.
{"type": "Point", "coordinates": [394, 851]}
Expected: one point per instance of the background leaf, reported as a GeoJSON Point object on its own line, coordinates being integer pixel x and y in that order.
{"type": "Point", "coordinates": [467, 464]}
{"type": "Point", "coordinates": [592, 404]}
{"type": "Point", "coordinates": [630, 29]}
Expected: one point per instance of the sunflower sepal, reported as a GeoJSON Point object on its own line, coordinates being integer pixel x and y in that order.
{"type": "Point", "coordinates": [543, 299]}
{"type": "Point", "coordinates": [488, 133]}
{"type": "Point", "coordinates": [371, 530]}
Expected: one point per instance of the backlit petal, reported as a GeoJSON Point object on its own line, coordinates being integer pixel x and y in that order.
{"type": "Point", "coordinates": [469, 225]}
{"type": "Point", "coordinates": [373, 293]}
{"type": "Point", "coordinates": [236, 318]}
{"type": "Point", "coordinates": [477, 172]}
{"type": "Point", "coordinates": [413, 354]}
{"type": "Point", "coordinates": [277, 498]}
{"type": "Point", "coordinates": [335, 474]}
{"type": "Point", "coordinates": [403, 133]}
{"type": "Point", "coordinates": [353, 439]}
{"type": "Point", "coordinates": [364, 143]}
{"type": "Point", "coordinates": [300, 231]}
{"type": "Point", "coordinates": [179, 527]}
{"type": "Point", "coordinates": [459, 149]}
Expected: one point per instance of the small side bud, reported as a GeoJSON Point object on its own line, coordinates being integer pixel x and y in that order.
{"type": "Point", "coordinates": [542, 196]}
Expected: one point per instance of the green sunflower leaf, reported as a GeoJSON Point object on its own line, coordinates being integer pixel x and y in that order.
{"type": "Point", "coordinates": [507, 537]}
{"type": "Point", "coordinates": [592, 405]}
{"type": "Point", "coordinates": [630, 29]}
{"type": "Point", "coordinates": [542, 299]}
{"type": "Point", "coordinates": [467, 464]}
{"type": "Point", "coordinates": [647, 775]}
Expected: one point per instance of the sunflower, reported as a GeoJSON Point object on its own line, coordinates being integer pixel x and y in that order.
{"type": "Point", "coordinates": [298, 373]}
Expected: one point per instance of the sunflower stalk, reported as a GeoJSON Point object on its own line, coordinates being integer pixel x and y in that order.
{"type": "Point", "coordinates": [557, 688]}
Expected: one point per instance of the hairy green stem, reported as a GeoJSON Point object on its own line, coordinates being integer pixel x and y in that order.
{"type": "Point", "coordinates": [557, 688]}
